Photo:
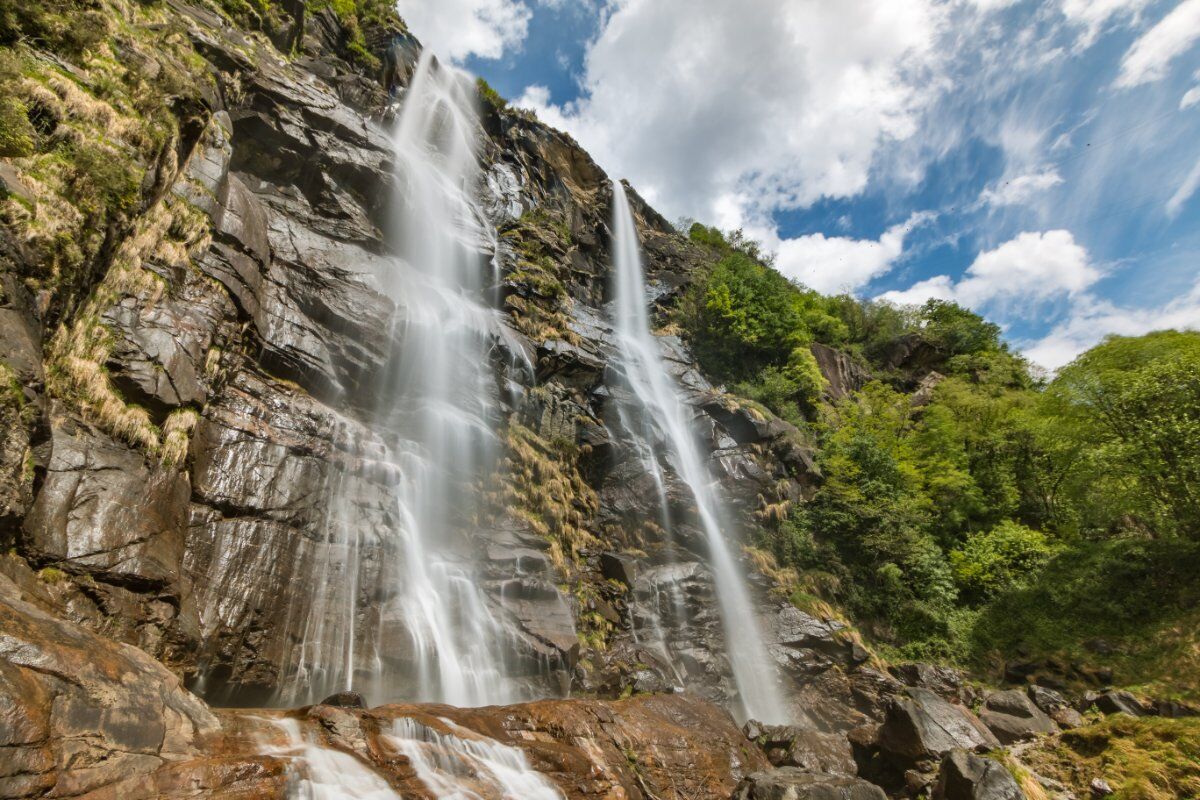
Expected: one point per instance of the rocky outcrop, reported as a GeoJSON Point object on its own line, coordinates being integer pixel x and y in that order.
{"type": "Point", "coordinates": [842, 374]}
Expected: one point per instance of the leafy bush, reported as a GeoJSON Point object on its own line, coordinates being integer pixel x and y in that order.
{"type": "Point", "coordinates": [993, 561]}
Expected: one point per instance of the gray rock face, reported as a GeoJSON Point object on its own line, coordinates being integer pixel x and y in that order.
{"type": "Point", "coordinates": [106, 508]}
{"type": "Point", "coordinates": [1013, 717]}
{"type": "Point", "coordinates": [922, 727]}
{"type": "Point", "coordinates": [791, 783]}
{"type": "Point", "coordinates": [964, 776]}
{"type": "Point", "coordinates": [842, 374]}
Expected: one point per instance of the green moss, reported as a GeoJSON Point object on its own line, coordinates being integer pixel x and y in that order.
{"type": "Point", "coordinates": [1147, 758]}
{"type": "Point", "coordinates": [52, 575]}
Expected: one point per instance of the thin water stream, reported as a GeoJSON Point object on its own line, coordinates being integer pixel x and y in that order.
{"type": "Point", "coordinates": [664, 423]}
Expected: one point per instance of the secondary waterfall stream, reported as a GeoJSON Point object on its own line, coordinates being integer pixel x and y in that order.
{"type": "Point", "coordinates": [663, 422]}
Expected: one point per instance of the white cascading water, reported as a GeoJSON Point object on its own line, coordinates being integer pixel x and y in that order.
{"type": "Point", "coordinates": [325, 774]}
{"type": "Point", "coordinates": [462, 765]}
{"type": "Point", "coordinates": [438, 638]}
{"type": "Point", "coordinates": [662, 416]}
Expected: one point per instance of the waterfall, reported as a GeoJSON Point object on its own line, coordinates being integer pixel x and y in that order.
{"type": "Point", "coordinates": [662, 417]}
{"type": "Point", "coordinates": [437, 637]}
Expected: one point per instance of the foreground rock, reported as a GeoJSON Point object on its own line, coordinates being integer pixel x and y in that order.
{"type": "Point", "coordinates": [965, 776]}
{"type": "Point", "coordinates": [77, 711]}
{"type": "Point", "coordinates": [792, 783]}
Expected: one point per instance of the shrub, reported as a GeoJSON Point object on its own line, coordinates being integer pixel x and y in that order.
{"type": "Point", "coordinates": [1002, 558]}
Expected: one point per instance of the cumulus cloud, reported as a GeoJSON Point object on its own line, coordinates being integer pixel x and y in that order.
{"type": "Point", "coordinates": [1021, 189]}
{"type": "Point", "coordinates": [1092, 319]}
{"type": "Point", "coordinates": [458, 29]}
{"type": "Point", "coordinates": [1032, 268]}
{"type": "Point", "coordinates": [1149, 57]}
{"type": "Point", "coordinates": [1190, 98]}
{"type": "Point", "coordinates": [836, 264]}
{"type": "Point", "coordinates": [751, 106]}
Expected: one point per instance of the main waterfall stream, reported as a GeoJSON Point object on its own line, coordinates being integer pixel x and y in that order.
{"type": "Point", "coordinates": [438, 638]}
{"type": "Point", "coordinates": [661, 420]}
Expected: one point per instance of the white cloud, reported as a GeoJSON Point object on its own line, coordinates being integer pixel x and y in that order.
{"type": "Point", "coordinates": [756, 105]}
{"type": "Point", "coordinates": [1190, 98]}
{"type": "Point", "coordinates": [1020, 189]}
{"type": "Point", "coordinates": [1092, 319]}
{"type": "Point", "coordinates": [992, 5]}
{"type": "Point", "coordinates": [835, 264]}
{"type": "Point", "coordinates": [1185, 191]}
{"type": "Point", "coordinates": [1148, 58]}
{"type": "Point", "coordinates": [939, 287]}
{"type": "Point", "coordinates": [458, 29]}
{"type": "Point", "coordinates": [1032, 268]}
{"type": "Point", "coordinates": [1094, 15]}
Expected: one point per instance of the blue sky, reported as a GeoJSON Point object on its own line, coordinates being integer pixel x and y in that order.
{"type": "Point", "coordinates": [1036, 161]}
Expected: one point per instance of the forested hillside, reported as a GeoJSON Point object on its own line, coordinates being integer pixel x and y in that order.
{"type": "Point", "coordinates": [972, 508]}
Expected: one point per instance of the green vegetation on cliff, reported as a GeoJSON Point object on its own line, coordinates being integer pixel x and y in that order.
{"type": "Point", "coordinates": [969, 510]}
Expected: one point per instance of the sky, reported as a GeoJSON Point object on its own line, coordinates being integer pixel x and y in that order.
{"type": "Point", "coordinates": [1036, 161]}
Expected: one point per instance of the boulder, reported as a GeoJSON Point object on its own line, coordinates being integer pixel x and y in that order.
{"type": "Point", "coordinates": [1046, 699]}
{"type": "Point", "coordinates": [1013, 717]}
{"type": "Point", "coordinates": [964, 776]}
{"type": "Point", "coordinates": [922, 727]}
{"type": "Point", "coordinates": [1114, 701]}
{"type": "Point", "coordinates": [793, 783]}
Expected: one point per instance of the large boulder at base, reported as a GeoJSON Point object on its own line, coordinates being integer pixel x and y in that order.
{"type": "Point", "coordinates": [965, 776]}
{"type": "Point", "coordinates": [922, 727]}
{"type": "Point", "coordinates": [1013, 717]}
{"type": "Point", "coordinates": [793, 783]}
{"type": "Point", "coordinates": [79, 712]}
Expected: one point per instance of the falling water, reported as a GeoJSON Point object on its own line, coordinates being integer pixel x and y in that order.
{"type": "Point", "coordinates": [438, 638]}
{"type": "Point", "coordinates": [324, 773]}
{"type": "Point", "coordinates": [662, 416]}
{"type": "Point", "coordinates": [462, 765]}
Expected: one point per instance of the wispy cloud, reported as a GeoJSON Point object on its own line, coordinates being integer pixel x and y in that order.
{"type": "Point", "coordinates": [1149, 57]}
